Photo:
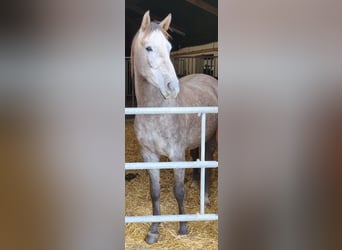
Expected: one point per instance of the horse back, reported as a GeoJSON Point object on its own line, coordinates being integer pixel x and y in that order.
{"type": "Point", "coordinates": [198, 90]}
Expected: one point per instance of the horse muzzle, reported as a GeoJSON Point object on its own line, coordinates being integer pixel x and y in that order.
{"type": "Point", "coordinates": [171, 90]}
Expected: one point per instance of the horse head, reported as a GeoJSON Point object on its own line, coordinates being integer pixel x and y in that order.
{"type": "Point", "coordinates": [151, 56]}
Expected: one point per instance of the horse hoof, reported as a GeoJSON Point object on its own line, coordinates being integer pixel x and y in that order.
{"type": "Point", "coordinates": [151, 238]}
{"type": "Point", "coordinates": [183, 231]}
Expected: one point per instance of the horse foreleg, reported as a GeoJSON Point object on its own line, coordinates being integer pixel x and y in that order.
{"type": "Point", "coordinates": [195, 171]}
{"type": "Point", "coordinates": [179, 191]}
{"type": "Point", "coordinates": [210, 147]}
{"type": "Point", "coordinates": [153, 233]}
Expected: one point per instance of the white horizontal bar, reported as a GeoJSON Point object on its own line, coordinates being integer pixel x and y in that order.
{"type": "Point", "coordinates": [171, 218]}
{"type": "Point", "coordinates": [170, 110]}
{"type": "Point", "coordinates": [170, 165]}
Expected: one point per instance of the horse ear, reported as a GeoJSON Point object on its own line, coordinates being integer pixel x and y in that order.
{"type": "Point", "coordinates": [165, 24]}
{"type": "Point", "coordinates": [145, 21]}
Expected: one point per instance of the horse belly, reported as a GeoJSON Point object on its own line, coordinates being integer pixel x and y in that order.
{"type": "Point", "coordinates": [170, 135]}
{"type": "Point", "coordinates": [194, 134]}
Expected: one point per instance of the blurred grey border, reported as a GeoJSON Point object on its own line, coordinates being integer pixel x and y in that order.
{"type": "Point", "coordinates": [280, 80]}
{"type": "Point", "coordinates": [62, 124]}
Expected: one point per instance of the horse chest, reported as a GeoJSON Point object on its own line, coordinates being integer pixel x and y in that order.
{"type": "Point", "coordinates": [159, 134]}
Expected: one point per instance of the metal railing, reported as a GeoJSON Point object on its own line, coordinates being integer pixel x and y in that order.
{"type": "Point", "coordinates": [186, 65]}
{"type": "Point", "coordinates": [203, 164]}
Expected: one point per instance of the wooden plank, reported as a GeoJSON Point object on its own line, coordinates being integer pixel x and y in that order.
{"type": "Point", "coordinates": [203, 5]}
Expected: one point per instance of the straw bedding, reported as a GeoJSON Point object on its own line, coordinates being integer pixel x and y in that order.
{"type": "Point", "coordinates": [202, 234]}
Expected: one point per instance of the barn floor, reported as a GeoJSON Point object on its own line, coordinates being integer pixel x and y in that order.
{"type": "Point", "coordinates": [202, 235]}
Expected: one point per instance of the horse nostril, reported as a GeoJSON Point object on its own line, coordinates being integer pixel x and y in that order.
{"type": "Point", "coordinates": [172, 85]}
{"type": "Point", "coordinates": [172, 88]}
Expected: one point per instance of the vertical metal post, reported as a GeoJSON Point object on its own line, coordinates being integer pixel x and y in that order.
{"type": "Point", "coordinates": [133, 92]}
{"type": "Point", "coordinates": [202, 159]}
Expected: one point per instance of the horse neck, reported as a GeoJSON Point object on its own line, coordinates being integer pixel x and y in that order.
{"type": "Point", "coordinates": [147, 95]}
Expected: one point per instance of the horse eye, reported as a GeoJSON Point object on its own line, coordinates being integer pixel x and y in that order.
{"type": "Point", "coordinates": [149, 48]}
